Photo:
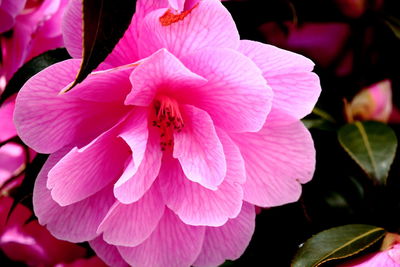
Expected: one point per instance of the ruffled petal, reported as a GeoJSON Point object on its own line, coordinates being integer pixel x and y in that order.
{"type": "Point", "coordinates": [229, 241]}
{"type": "Point", "coordinates": [83, 172]}
{"type": "Point", "coordinates": [296, 89]}
{"type": "Point", "coordinates": [135, 181]}
{"type": "Point", "coordinates": [199, 150]}
{"type": "Point", "coordinates": [72, 28]}
{"type": "Point", "coordinates": [77, 222]}
{"type": "Point", "coordinates": [161, 73]}
{"type": "Point", "coordinates": [195, 204]}
{"type": "Point", "coordinates": [277, 159]}
{"type": "Point", "coordinates": [236, 96]}
{"type": "Point", "coordinates": [47, 121]}
{"type": "Point", "coordinates": [207, 24]}
{"type": "Point", "coordinates": [172, 244]}
{"type": "Point", "coordinates": [130, 225]}
{"type": "Point", "coordinates": [108, 253]}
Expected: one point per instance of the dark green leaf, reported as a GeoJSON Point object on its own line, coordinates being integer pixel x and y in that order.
{"type": "Point", "coordinates": [337, 243]}
{"type": "Point", "coordinates": [394, 25]}
{"type": "Point", "coordinates": [372, 145]}
{"type": "Point", "coordinates": [31, 68]}
{"type": "Point", "coordinates": [104, 23]}
{"type": "Point", "coordinates": [320, 124]}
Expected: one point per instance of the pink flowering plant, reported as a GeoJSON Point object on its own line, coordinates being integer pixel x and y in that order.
{"type": "Point", "coordinates": [167, 132]}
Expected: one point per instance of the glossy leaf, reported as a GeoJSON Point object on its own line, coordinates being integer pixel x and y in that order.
{"type": "Point", "coordinates": [31, 68]}
{"type": "Point", "coordinates": [104, 23]}
{"type": "Point", "coordinates": [394, 25]}
{"type": "Point", "coordinates": [372, 145]}
{"type": "Point", "coordinates": [337, 243]}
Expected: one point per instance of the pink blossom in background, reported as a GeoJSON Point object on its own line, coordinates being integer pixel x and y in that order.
{"type": "Point", "coordinates": [159, 157]}
{"type": "Point", "coordinates": [32, 244]}
{"type": "Point", "coordinates": [9, 9]}
{"type": "Point", "coordinates": [322, 42]}
{"type": "Point", "coordinates": [373, 103]}
{"type": "Point", "coordinates": [386, 258]}
{"type": "Point", "coordinates": [12, 155]}
{"type": "Point", "coordinates": [36, 29]}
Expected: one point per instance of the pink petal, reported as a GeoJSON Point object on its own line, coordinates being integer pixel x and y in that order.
{"type": "Point", "coordinates": [47, 121]}
{"type": "Point", "coordinates": [7, 128]}
{"type": "Point", "coordinates": [177, 4]}
{"type": "Point", "coordinates": [296, 89]}
{"type": "Point", "coordinates": [130, 225]}
{"type": "Point", "coordinates": [134, 132]}
{"type": "Point", "coordinates": [236, 95]}
{"type": "Point", "coordinates": [77, 222]}
{"type": "Point", "coordinates": [72, 28]}
{"type": "Point", "coordinates": [208, 24]}
{"type": "Point", "coordinates": [83, 172]}
{"type": "Point", "coordinates": [277, 160]}
{"type": "Point", "coordinates": [135, 181]}
{"type": "Point", "coordinates": [126, 50]}
{"type": "Point", "coordinates": [199, 150]}
{"type": "Point", "coordinates": [229, 241]}
{"type": "Point", "coordinates": [377, 259]}
{"type": "Point", "coordinates": [12, 158]}
{"type": "Point", "coordinates": [161, 73]}
{"type": "Point", "coordinates": [172, 244]}
{"type": "Point", "coordinates": [108, 253]}
{"type": "Point", "coordinates": [195, 204]}
{"type": "Point", "coordinates": [236, 172]}
{"type": "Point", "coordinates": [110, 85]}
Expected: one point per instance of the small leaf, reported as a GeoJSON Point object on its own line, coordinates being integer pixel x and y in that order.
{"type": "Point", "coordinates": [104, 24]}
{"type": "Point", "coordinates": [372, 145]}
{"type": "Point", "coordinates": [337, 243]}
{"type": "Point", "coordinates": [318, 123]}
{"type": "Point", "coordinates": [394, 25]}
{"type": "Point", "coordinates": [32, 67]}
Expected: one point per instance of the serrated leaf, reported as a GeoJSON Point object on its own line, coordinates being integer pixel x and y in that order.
{"type": "Point", "coordinates": [372, 145]}
{"type": "Point", "coordinates": [32, 67]}
{"type": "Point", "coordinates": [104, 23]}
{"type": "Point", "coordinates": [337, 243]}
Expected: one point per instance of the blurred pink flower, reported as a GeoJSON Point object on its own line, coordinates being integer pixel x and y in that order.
{"type": "Point", "coordinates": [12, 155]}
{"type": "Point", "coordinates": [373, 103]}
{"type": "Point", "coordinates": [36, 29]}
{"type": "Point", "coordinates": [386, 258]}
{"type": "Point", "coordinates": [30, 242]}
{"type": "Point", "coordinates": [9, 9]}
{"type": "Point", "coordinates": [322, 42]}
{"type": "Point", "coordinates": [159, 156]}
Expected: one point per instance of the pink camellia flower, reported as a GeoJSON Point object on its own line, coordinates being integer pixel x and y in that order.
{"type": "Point", "coordinates": [159, 157]}
{"type": "Point", "coordinates": [373, 103]}
{"type": "Point", "coordinates": [386, 258]}
{"type": "Point", "coordinates": [36, 29]}
{"type": "Point", "coordinates": [30, 242]}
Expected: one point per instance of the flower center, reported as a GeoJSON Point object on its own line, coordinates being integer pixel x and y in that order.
{"type": "Point", "coordinates": [168, 119]}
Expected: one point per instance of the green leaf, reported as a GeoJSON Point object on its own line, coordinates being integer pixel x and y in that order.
{"type": "Point", "coordinates": [372, 145]}
{"type": "Point", "coordinates": [104, 24]}
{"type": "Point", "coordinates": [394, 25]}
{"type": "Point", "coordinates": [320, 124]}
{"type": "Point", "coordinates": [337, 243]}
{"type": "Point", "coordinates": [31, 68]}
